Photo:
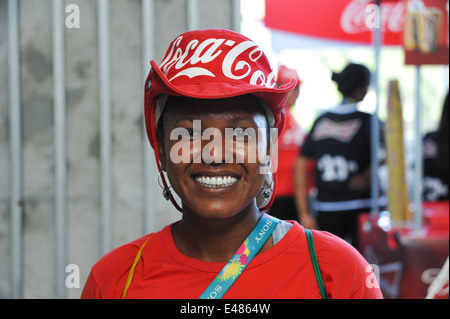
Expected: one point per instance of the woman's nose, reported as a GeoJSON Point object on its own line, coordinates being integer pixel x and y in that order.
{"type": "Point", "coordinates": [212, 146]}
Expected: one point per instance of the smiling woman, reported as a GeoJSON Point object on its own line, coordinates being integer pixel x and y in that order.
{"type": "Point", "coordinates": [209, 108]}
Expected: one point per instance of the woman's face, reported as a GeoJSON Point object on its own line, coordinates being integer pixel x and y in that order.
{"type": "Point", "coordinates": [213, 152]}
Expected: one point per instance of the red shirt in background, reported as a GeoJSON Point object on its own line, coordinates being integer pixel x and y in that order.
{"type": "Point", "coordinates": [284, 271]}
{"type": "Point", "coordinates": [289, 144]}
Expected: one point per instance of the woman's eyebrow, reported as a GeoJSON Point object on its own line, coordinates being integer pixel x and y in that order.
{"type": "Point", "coordinates": [240, 119]}
{"type": "Point", "coordinates": [233, 121]}
{"type": "Point", "coordinates": [186, 119]}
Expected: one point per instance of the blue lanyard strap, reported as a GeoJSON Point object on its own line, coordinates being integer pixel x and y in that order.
{"type": "Point", "coordinates": [234, 268]}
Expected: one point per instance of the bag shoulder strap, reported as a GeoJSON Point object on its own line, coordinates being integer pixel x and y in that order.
{"type": "Point", "coordinates": [312, 253]}
{"type": "Point", "coordinates": [131, 273]}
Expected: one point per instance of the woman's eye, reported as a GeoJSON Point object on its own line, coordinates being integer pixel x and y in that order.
{"type": "Point", "coordinates": [194, 133]}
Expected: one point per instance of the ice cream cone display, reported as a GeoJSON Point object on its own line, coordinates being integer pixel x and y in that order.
{"type": "Point", "coordinates": [397, 195]}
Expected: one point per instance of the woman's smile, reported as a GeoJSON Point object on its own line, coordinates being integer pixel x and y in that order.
{"type": "Point", "coordinates": [216, 181]}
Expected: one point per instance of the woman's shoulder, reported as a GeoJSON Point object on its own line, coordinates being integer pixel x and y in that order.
{"type": "Point", "coordinates": [331, 246]}
{"type": "Point", "coordinates": [109, 273]}
{"type": "Point", "coordinates": [345, 272]}
{"type": "Point", "coordinates": [328, 246]}
{"type": "Point", "coordinates": [120, 259]}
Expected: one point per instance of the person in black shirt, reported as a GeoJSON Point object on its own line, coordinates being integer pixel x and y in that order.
{"type": "Point", "coordinates": [340, 144]}
{"type": "Point", "coordinates": [436, 159]}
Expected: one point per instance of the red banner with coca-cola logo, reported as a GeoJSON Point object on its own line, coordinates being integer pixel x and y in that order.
{"type": "Point", "coordinates": [338, 20]}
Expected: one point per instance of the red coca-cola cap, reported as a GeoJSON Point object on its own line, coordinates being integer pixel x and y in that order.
{"type": "Point", "coordinates": [212, 64]}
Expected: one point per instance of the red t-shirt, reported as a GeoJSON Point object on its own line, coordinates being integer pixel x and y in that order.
{"type": "Point", "coordinates": [289, 144]}
{"type": "Point", "coordinates": [284, 271]}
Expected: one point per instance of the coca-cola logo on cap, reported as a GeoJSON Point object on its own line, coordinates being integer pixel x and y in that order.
{"type": "Point", "coordinates": [201, 58]}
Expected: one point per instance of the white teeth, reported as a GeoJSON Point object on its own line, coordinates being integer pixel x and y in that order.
{"type": "Point", "coordinates": [219, 181]}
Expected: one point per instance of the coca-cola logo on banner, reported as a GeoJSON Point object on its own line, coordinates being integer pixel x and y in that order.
{"type": "Point", "coordinates": [338, 20]}
{"type": "Point", "coordinates": [359, 16]}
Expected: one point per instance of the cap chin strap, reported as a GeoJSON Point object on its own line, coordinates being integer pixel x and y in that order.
{"type": "Point", "coordinates": [166, 190]}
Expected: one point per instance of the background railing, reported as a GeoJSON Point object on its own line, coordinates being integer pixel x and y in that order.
{"type": "Point", "coordinates": [77, 173]}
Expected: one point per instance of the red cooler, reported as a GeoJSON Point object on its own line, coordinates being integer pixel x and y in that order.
{"type": "Point", "coordinates": [408, 262]}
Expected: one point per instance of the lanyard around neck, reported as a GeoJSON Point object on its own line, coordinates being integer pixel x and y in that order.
{"type": "Point", "coordinates": [234, 268]}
